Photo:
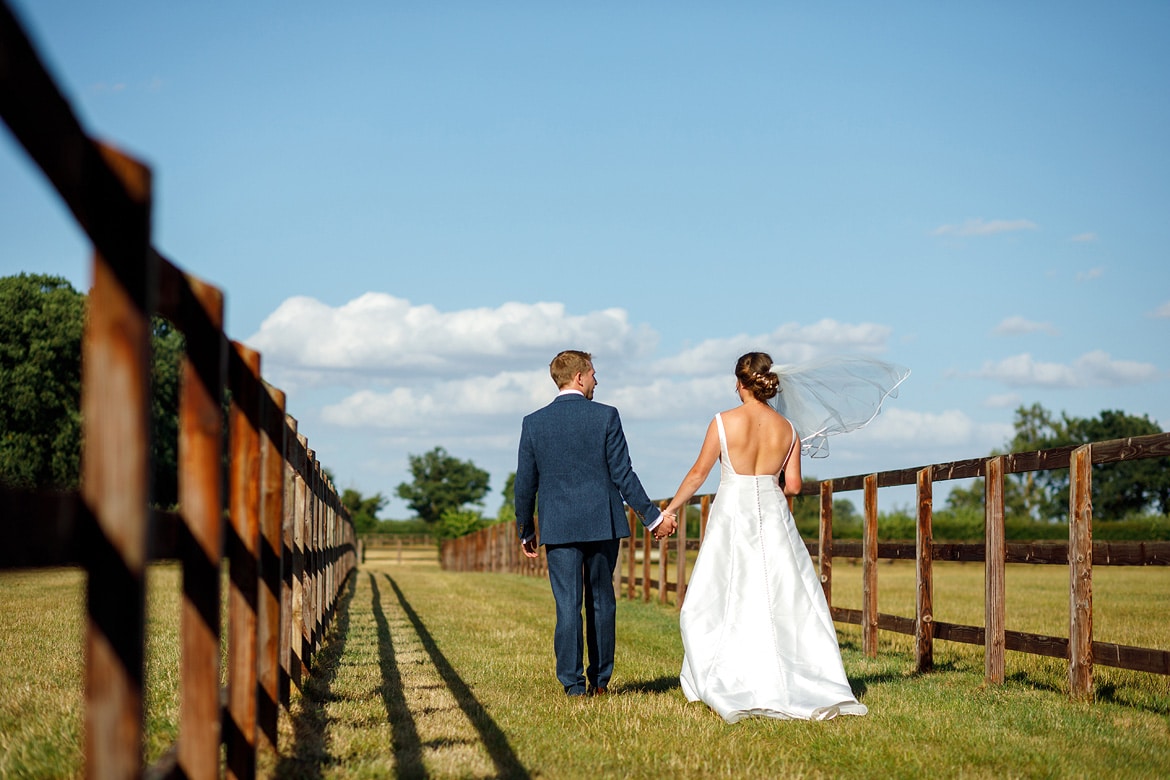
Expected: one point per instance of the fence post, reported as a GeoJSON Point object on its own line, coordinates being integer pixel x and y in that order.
{"type": "Point", "coordinates": [242, 551]}
{"type": "Point", "coordinates": [680, 567]}
{"type": "Point", "coordinates": [1080, 570]}
{"type": "Point", "coordinates": [617, 568]}
{"type": "Point", "coordinates": [300, 596]}
{"type": "Point", "coordinates": [288, 567]}
{"type": "Point", "coordinates": [869, 592]}
{"type": "Point", "coordinates": [491, 547]}
{"type": "Point", "coordinates": [270, 547]}
{"type": "Point", "coordinates": [994, 577]}
{"type": "Point", "coordinates": [201, 507]}
{"type": "Point", "coordinates": [704, 515]}
{"type": "Point", "coordinates": [633, 553]}
{"type": "Point", "coordinates": [320, 520]}
{"type": "Point", "coordinates": [924, 575]}
{"type": "Point", "coordinates": [115, 478]}
{"type": "Point", "coordinates": [309, 572]}
{"type": "Point", "coordinates": [663, 561]}
{"type": "Point", "coordinates": [646, 538]}
{"type": "Point", "coordinates": [825, 541]}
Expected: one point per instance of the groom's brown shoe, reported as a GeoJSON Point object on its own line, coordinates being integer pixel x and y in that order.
{"type": "Point", "coordinates": [594, 691]}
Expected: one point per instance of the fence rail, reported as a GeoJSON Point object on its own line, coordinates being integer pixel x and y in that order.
{"type": "Point", "coordinates": [497, 548]}
{"type": "Point", "coordinates": [287, 541]}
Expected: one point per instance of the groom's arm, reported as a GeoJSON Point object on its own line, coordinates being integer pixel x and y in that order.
{"type": "Point", "coordinates": [621, 471]}
{"type": "Point", "coordinates": [524, 487]}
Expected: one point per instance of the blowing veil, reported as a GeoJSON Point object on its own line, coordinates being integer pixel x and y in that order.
{"type": "Point", "coordinates": [833, 395]}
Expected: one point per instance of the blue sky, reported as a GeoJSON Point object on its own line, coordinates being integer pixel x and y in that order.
{"type": "Point", "coordinates": [413, 206]}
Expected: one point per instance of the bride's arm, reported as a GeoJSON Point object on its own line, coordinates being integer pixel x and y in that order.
{"type": "Point", "coordinates": [695, 478]}
{"type": "Point", "coordinates": [792, 478]}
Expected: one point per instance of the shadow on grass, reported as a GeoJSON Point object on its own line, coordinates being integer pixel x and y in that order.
{"type": "Point", "coordinates": [659, 685]}
{"type": "Point", "coordinates": [493, 738]}
{"type": "Point", "coordinates": [1103, 692]}
{"type": "Point", "coordinates": [407, 747]}
{"type": "Point", "coordinates": [310, 752]}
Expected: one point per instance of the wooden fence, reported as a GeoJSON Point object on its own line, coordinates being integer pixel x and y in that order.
{"type": "Point", "coordinates": [497, 548]}
{"type": "Point", "coordinates": [288, 542]}
{"type": "Point", "coordinates": [397, 548]}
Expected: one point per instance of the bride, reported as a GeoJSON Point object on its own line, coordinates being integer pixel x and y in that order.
{"type": "Point", "coordinates": [757, 635]}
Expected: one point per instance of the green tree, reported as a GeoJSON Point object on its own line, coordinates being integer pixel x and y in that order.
{"type": "Point", "coordinates": [458, 522]}
{"type": "Point", "coordinates": [41, 321]}
{"type": "Point", "coordinates": [167, 347]}
{"type": "Point", "coordinates": [1030, 494]}
{"type": "Point", "coordinates": [806, 511]}
{"type": "Point", "coordinates": [441, 483]}
{"type": "Point", "coordinates": [508, 508]}
{"type": "Point", "coordinates": [363, 510]}
{"type": "Point", "coordinates": [1119, 489]}
{"type": "Point", "coordinates": [1123, 488]}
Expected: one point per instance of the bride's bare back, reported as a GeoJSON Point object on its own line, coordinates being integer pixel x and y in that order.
{"type": "Point", "coordinates": [758, 439]}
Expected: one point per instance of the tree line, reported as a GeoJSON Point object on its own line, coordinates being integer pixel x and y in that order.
{"type": "Point", "coordinates": [1131, 499]}
{"type": "Point", "coordinates": [41, 323]}
{"type": "Point", "coordinates": [42, 319]}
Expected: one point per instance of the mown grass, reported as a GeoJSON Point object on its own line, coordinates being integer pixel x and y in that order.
{"type": "Point", "coordinates": [492, 633]}
{"type": "Point", "coordinates": [434, 674]}
{"type": "Point", "coordinates": [42, 657]}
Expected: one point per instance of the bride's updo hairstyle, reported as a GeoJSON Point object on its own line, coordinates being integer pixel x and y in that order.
{"type": "Point", "coordinates": [754, 372]}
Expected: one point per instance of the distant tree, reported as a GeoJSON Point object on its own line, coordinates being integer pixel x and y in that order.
{"type": "Point", "coordinates": [167, 346]}
{"type": "Point", "coordinates": [806, 511]}
{"type": "Point", "coordinates": [441, 483]}
{"type": "Point", "coordinates": [969, 497]}
{"type": "Point", "coordinates": [1124, 488]}
{"type": "Point", "coordinates": [41, 320]}
{"type": "Point", "coordinates": [1119, 489]}
{"type": "Point", "coordinates": [508, 508]}
{"type": "Point", "coordinates": [1031, 494]}
{"type": "Point", "coordinates": [363, 510]}
{"type": "Point", "coordinates": [458, 522]}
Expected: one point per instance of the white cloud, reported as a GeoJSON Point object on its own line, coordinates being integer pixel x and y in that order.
{"type": "Point", "coordinates": [665, 409]}
{"type": "Point", "coordinates": [1093, 369]}
{"type": "Point", "coordinates": [790, 343]}
{"type": "Point", "coordinates": [1092, 273]}
{"type": "Point", "coordinates": [381, 334]}
{"type": "Point", "coordinates": [979, 227]}
{"type": "Point", "coordinates": [900, 426]}
{"type": "Point", "coordinates": [1003, 401]}
{"type": "Point", "coordinates": [1084, 238]}
{"type": "Point", "coordinates": [1162, 312]}
{"type": "Point", "coordinates": [452, 405]}
{"type": "Point", "coordinates": [1018, 326]}
{"type": "Point", "coordinates": [901, 438]}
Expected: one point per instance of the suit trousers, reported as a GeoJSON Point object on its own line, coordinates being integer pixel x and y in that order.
{"type": "Point", "coordinates": [582, 573]}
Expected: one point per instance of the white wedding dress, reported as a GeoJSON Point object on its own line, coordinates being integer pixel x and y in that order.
{"type": "Point", "coordinates": [756, 630]}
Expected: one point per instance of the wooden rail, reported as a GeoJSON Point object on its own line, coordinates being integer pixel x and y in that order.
{"type": "Point", "coordinates": [497, 549]}
{"type": "Point", "coordinates": [288, 543]}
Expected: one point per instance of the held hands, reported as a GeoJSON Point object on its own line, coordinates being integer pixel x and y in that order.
{"type": "Point", "coordinates": [668, 525]}
{"type": "Point", "coordinates": [530, 547]}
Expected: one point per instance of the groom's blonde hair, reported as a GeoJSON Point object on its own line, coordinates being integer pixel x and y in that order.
{"type": "Point", "coordinates": [568, 364]}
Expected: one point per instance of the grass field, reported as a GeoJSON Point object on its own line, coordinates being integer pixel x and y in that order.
{"type": "Point", "coordinates": [433, 674]}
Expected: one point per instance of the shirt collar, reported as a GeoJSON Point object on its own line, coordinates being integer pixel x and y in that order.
{"type": "Point", "coordinates": [570, 391]}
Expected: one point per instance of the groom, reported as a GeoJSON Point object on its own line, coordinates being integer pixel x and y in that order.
{"type": "Point", "coordinates": [573, 454]}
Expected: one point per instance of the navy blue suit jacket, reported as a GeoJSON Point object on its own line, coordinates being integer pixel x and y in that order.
{"type": "Point", "coordinates": [573, 455]}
